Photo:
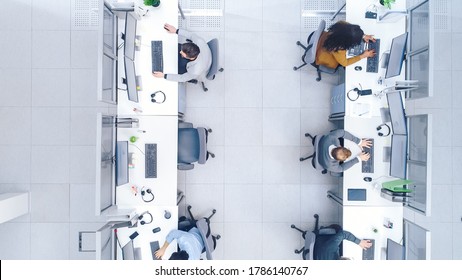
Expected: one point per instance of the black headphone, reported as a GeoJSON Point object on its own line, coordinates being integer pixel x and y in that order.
{"type": "Point", "coordinates": [388, 130]}
{"type": "Point", "coordinates": [140, 217]}
{"type": "Point", "coordinates": [153, 97]}
{"type": "Point", "coordinates": [146, 192]}
{"type": "Point", "coordinates": [359, 92]}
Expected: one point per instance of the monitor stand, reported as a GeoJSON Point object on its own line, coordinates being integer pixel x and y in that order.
{"type": "Point", "coordinates": [139, 83]}
{"type": "Point", "coordinates": [138, 43]}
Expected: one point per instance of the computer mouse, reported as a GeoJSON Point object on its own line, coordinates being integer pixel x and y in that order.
{"type": "Point", "coordinates": [358, 68]}
{"type": "Point", "coordinates": [367, 179]}
{"type": "Point", "coordinates": [157, 229]}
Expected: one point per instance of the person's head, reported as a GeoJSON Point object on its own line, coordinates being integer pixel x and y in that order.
{"type": "Point", "coordinates": [189, 51]}
{"type": "Point", "coordinates": [181, 255]}
{"type": "Point", "coordinates": [340, 153]}
{"type": "Point", "coordinates": [343, 36]}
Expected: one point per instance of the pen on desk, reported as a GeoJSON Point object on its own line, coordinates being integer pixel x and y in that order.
{"type": "Point", "coordinates": [363, 113]}
{"type": "Point", "coordinates": [141, 131]}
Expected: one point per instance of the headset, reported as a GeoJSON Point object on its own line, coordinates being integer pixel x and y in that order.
{"type": "Point", "coordinates": [146, 213]}
{"type": "Point", "coordinates": [153, 97]}
{"type": "Point", "coordinates": [388, 130]}
{"type": "Point", "coordinates": [359, 92]}
{"type": "Point", "coordinates": [146, 193]}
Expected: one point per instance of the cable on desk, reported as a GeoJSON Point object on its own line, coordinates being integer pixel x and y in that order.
{"type": "Point", "coordinates": [137, 148]}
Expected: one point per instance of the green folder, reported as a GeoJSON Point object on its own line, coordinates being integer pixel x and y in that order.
{"type": "Point", "coordinates": [397, 185]}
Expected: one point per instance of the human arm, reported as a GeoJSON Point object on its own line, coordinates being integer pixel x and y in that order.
{"type": "Point", "coordinates": [368, 38]}
{"type": "Point", "coordinates": [182, 78]}
{"type": "Point", "coordinates": [365, 244]}
{"type": "Point", "coordinates": [159, 253]}
{"type": "Point", "coordinates": [341, 58]}
{"type": "Point", "coordinates": [341, 133]}
{"type": "Point", "coordinates": [335, 166]}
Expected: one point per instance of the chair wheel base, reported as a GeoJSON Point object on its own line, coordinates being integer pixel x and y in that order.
{"type": "Point", "coordinates": [295, 68]}
{"type": "Point", "coordinates": [292, 226]}
{"type": "Point", "coordinates": [298, 43]}
{"type": "Point", "coordinates": [302, 159]}
{"type": "Point", "coordinates": [318, 79]}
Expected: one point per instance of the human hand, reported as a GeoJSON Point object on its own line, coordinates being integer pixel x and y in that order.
{"type": "Point", "coordinates": [365, 244]}
{"type": "Point", "coordinates": [368, 38]}
{"type": "Point", "coordinates": [159, 253]}
{"type": "Point", "coordinates": [170, 28]}
{"type": "Point", "coordinates": [368, 53]}
{"type": "Point", "coordinates": [158, 74]}
{"type": "Point", "coordinates": [364, 156]}
{"type": "Point", "coordinates": [365, 143]}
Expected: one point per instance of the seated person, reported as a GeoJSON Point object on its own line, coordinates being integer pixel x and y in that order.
{"type": "Point", "coordinates": [333, 45]}
{"type": "Point", "coordinates": [190, 243]}
{"type": "Point", "coordinates": [332, 156]}
{"type": "Point", "coordinates": [329, 249]}
{"type": "Point", "coordinates": [195, 60]}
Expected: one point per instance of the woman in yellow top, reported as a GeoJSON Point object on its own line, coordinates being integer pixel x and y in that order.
{"type": "Point", "coordinates": [337, 40]}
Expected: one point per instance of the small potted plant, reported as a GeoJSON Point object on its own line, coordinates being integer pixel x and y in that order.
{"type": "Point", "coordinates": [387, 3]}
{"type": "Point", "coordinates": [154, 3]}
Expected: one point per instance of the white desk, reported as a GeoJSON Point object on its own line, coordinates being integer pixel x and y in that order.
{"type": "Point", "coordinates": [360, 217]}
{"type": "Point", "coordinates": [160, 121]}
{"type": "Point", "coordinates": [145, 231]}
{"type": "Point", "coordinates": [163, 131]}
{"type": "Point", "coordinates": [151, 27]}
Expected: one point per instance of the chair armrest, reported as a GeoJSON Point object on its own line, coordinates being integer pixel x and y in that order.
{"type": "Point", "coordinates": [182, 124]}
{"type": "Point", "coordinates": [202, 132]}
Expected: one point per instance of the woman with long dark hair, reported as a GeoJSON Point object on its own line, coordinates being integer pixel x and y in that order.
{"type": "Point", "coordinates": [334, 43]}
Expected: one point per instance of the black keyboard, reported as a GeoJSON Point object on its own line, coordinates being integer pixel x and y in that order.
{"type": "Point", "coordinates": [369, 253]}
{"type": "Point", "coordinates": [150, 160]}
{"type": "Point", "coordinates": [373, 62]}
{"type": "Point", "coordinates": [157, 56]}
{"type": "Point", "coordinates": [368, 166]}
{"type": "Point", "coordinates": [154, 248]}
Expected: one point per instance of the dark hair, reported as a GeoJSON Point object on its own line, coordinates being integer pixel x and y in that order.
{"type": "Point", "coordinates": [337, 150]}
{"type": "Point", "coordinates": [181, 255]}
{"type": "Point", "coordinates": [190, 49]}
{"type": "Point", "coordinates": [343, 36]}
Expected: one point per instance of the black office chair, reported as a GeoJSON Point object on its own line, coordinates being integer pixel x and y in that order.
{"type": "Point", "coordinates": [192, 145]}
{"type": "Point", "coordinates": [214, 68]}
{"type": "Point", "coordinates": [315, 156]}
{"type": "Point", "coordinates": [203, 225]}
{"type": "Point", "coordinates": [317, 235]}
{"type": "Point", "coordinates": [309, 56]}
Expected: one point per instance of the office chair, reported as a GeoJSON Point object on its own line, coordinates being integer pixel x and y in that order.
{"type": "Point", "coordinates": [203, 225]}
{"type": "Point", "coordinates": [319, 235]}
{"type": "Point", "coordinates": [309, 56]}
{"type": "Point", "coordinates": [192, 145]}
{"type": "Point", "coordinates": [214, 68]}
{"type": "Point", "coordinates": [315, 156]}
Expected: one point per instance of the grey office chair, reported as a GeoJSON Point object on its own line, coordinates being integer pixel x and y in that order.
{"type": "Point", "coordinates": [203, 225]}
{"type": "Point", "coordinates": [309, 56]}
{"type": "Point", "coordinates": [214, 68]}
{"type": "Point", "coordinates": [315, 156]}
{"type": "Point", "coordinates": [192, 145]}
{"type": "Point", "coordinates": [318, 235]}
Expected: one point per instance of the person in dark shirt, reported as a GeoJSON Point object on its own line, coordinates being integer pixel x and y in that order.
{"type": "Point", "coordinates": [328, 248]}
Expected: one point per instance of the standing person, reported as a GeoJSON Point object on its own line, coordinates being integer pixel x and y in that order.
{"type": "Point", "coordinates": [194, 60]}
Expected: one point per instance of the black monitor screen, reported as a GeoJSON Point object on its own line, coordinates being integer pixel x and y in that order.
{"type": "Point", "coordinates": [397, 51]}
{"type": "Point", "coordinates": [397, 115]}
{"type": "Point", "coordinates": [130, 36]}
{"type": "Point", "coordinates": [121, 163]}
{"type": "Point", "coordinates": [398, 156]}
{"type": "Point", "coordinates": [130, 80]}
{"type": "Point", "coordinates": [395, 251]}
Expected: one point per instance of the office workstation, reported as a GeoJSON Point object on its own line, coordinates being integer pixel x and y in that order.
{"type": "Point", "coordinates": [259, 109]}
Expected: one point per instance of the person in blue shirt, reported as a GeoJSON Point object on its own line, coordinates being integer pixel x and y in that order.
{"type": "Point", "coordinates": [190, 243]}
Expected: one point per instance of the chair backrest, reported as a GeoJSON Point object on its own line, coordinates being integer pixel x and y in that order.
{"type": "Point", "coordinates": [192, 145]}
{"type": "Point", "coordinates": [316, 163]}
{"type": "Point", "coordinates": [203, 225]}
{"type": "Point", "coordinates": [213, 45]}
{"type": "Point", "coordinates": [313, 40]}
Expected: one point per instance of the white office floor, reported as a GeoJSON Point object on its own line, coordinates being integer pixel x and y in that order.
{"type": "Point", "coordinates": [258, 108]}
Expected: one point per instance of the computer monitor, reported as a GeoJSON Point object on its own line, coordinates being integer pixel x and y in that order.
{"type": "Point", "coordinates": [130, 80]}
{"type": "Point", "coordinates": [397, 114]}
{"type": "Point", "coordinates": [395, 251]}
{"type": "Point", "coordinates": [128, 251]}
{"type": "Point", "coordinates": [121, 163]}
{"type": "Point", "coordinates": [398, 157]}
{"type": "Point", "coordinates": [397, 54]}
{"type": "Point", "coordinates": [130, 36]}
